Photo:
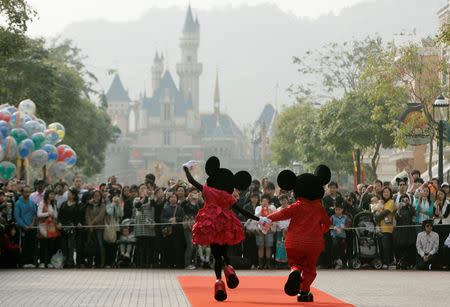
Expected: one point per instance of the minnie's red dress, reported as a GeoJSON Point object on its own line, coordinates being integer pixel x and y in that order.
{"type": "Point", "coordinates": [215, 222]}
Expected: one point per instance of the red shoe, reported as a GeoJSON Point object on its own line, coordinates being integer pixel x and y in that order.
{"type": "Point", "coordinates": [220, 292]}
{"type": "Point", "coordinates": [230, 275]}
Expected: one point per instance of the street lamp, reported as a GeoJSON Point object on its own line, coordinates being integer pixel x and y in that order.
{"type": "Point", "coordinates": [296, 166]}
{"type": "Point", "coordinates": [440, 116]}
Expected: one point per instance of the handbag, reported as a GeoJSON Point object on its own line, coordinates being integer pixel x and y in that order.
{"type": "Point", "coordinates": [168, 230]}
{"type": "Point", "coordinates": [188, 222]}
{"type": "Point", "coordinates": [109, 234]}
{"type": "Point", "coordinates": [251, 226]}
{"type": "Point", "coordinates": [57, 260]}
{"type": "Point", "coordinates": [51, 230]}
{"type": "Point", "coordinates": [280, 251]}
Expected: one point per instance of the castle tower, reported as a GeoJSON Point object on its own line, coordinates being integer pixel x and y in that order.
{"type": "Point", "coordinates": [189, 69]}
{"type": "Point", "coordinates": [217, 97]}
{"type": "Point", "coordinates": [118, 104]}
{"type": "Point", "coordinates": [157, 70]}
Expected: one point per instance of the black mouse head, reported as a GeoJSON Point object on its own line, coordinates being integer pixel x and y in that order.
{"type": "Point", "coordinates": [223, 179]}
{"type": "Point", "coordinates": [309, 186]}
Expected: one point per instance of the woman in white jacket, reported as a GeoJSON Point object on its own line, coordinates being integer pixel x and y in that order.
{"type": "Point", "coordinates": [46, 209]}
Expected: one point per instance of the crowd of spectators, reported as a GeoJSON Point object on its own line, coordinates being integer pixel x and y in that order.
{"type": "Point", "coordinates": [147, 226]}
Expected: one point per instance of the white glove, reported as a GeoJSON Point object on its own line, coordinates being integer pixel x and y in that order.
{"type": "Point", "coordinates": [190, 165]}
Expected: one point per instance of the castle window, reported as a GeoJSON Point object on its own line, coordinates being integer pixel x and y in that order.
{"type": "Point", "coordinates": [166, 110]}
{"type": "Point", "coordinates": [166, 138]}
{"type": "Point", "coordinates": [189, 58]}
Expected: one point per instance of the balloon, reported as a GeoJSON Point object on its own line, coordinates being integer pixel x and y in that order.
{"type": "Point", "coordinates": [11, 109]}
{"type": "Point", "coordinates": [7, 170]}
{"type": "Point", "coordinates": [59, 129]}
{"type": "Point", "coordinates": [18, 134]}
{"type": "Point", "coordinates": [72, 160]}
{"type": "Point", "coordinates": [58, 170]}
{"type": "Point", "coordinates": [5, 115]}
{"type": "Point", "coordinates": [10, 147]}
{"type": "Point", "coordinates": [38, 158]}
{"type": "Point", "coordinates": [51, 136]}
{"type": "Point", "coordinates": [38, 139]}
{"type": "Point", "coordinates": [3, 129]}
{"type": "Point", "coordinates": [27, 106]}
{"type": "Point", "coordinates": [17, 120]}
{"type": "Point", "coordinates": [52, 152]}
{"type": "Point", "coordinates": [42, 122]}
{"type": "Point", "coordinates": [33, 127]}
{"type": "Point", "coordinates": [27, 118]}
{"type": "Point", "coordinates": [66, 154]}
{"type": "Point", "coordinates": [26, 147]}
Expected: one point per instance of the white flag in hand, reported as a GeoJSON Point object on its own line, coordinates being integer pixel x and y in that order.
{"type": "Point", "coordinates": [190, 165]}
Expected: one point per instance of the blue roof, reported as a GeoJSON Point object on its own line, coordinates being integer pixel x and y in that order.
{"type": "Point", "coordinates": [266, 115]}
{"type": "Point", "coordinates": [209, 127]}
{"type": "Point", "coordinates": [166, 85]}
{"type": "Point", "coordinates": [116, 91]}
{"type": "Point", "coordinates": [189, 24]}
{"type": "Point", "coordinates": [156, 58]}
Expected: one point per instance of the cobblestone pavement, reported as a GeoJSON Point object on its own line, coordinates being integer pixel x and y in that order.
{"type": "Point", "coordinates": [147, 287]}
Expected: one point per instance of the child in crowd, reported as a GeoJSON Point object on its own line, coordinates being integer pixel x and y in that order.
{"type": "Point", "coordinates": [376, 205]}
{"type": "Point", "coordinates": [265, 240]}
{"type": "Point", "coordinates": [282, 226]}
{"type": "Point", "coordinates": [126, 241]}
{"type": "Point", "coordinates": [338, 222]}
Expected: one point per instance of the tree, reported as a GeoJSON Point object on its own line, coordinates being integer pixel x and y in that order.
{"type": "Point", "coordinates": [299, 136]}
{"type": "Point", "coordinates": [17, 14]}
{"type": "Point", "coordinates": [53, 78]}
{"type": "Point", "coordinates": [358, 110]}
{"type": "Point", "coordinates": [338, 67]}
{"type": "Point", "coordinates": [416, 69]}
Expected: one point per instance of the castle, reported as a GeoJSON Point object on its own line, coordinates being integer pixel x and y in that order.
{"type": "Point", "coordinates": [161, 132]}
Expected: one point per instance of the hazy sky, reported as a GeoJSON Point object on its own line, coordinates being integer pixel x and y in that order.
{"type": "Point", "coordinates": [54, 15]}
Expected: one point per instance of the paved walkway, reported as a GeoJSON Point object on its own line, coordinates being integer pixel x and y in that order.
{"type": "Point", "coordinates": [141, 287]}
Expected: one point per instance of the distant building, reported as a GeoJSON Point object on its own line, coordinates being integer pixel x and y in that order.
{"type": "Point", "coordinates": [163, 130]}
{"type": "Point", "coordinates": [262, 134]}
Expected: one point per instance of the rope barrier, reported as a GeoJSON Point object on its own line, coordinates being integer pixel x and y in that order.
{"type": "Point", "coordinates": [368, 228]}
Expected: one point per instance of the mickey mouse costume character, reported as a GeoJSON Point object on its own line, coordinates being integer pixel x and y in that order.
{"type": "Point", "coordinates": [215, 224]}
{"type": "Point", "coordinates": [309, 221]}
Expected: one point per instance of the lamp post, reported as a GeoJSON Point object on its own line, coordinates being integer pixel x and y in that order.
{"type": "Point", "coordinates": [440, 116]}
{"type": "Point", "coordinates": [296, 167]}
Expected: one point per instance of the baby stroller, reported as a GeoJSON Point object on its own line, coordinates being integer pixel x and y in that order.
{"type": "Point", "coordinates": [121, 261]}
{"type": "Point", "coordinates": [365, 243]}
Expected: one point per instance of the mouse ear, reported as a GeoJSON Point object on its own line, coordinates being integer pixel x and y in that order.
{"type": "Point", "coordinates": [212, 165]}
{"type": "Point", "coordinates": [242, 180]}
{"type": "Point", "coordinates": [286, 180]}
{"type": "Point", "coordinates": [324, 174]}
{"type": "Point", "coordinates": [398, 180]}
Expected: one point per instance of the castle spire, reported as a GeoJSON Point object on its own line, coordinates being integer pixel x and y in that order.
{"type": "Point", "coordinates": [217, 95]}
{"type": "Point", "coordinates": [189, 24]}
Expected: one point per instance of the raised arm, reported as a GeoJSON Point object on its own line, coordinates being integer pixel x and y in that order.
{"type": "Point", "coordinates": [192, 180]}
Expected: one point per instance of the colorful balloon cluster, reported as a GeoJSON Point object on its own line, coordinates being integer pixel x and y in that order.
{"type": "Point", "coordinates": [23, 135]}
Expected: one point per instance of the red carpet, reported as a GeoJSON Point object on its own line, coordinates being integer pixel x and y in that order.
{"type": "Point", "coordinates": [252, 291]}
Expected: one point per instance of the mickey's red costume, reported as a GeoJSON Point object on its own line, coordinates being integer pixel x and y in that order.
{"type": "Point", "coordinates": [309, 221]}
{"type": "Point", "coordinates": [215, 224]}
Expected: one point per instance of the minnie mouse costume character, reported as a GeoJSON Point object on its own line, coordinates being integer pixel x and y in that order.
{"type": "Point", "coordinates": [309, 221]}
{"type": "Point", "coordinates": [215, 224]}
